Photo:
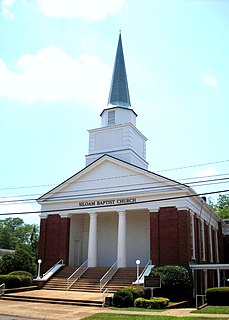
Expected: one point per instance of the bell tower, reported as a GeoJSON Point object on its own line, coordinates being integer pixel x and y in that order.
{"type": "Point", "coordinates": [118, 135]}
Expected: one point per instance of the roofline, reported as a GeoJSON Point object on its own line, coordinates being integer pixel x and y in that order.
{"type": "Point", "coordinates": [116, 159]}
{"type": "Point", "coordinates": [115, 107]}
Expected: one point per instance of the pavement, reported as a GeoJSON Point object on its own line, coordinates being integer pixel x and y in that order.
{"type": "Point", "coordinates": [20, 310]}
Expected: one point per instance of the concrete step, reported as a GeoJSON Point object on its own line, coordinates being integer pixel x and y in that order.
{"type": "Point", "coordinates": [86, 303]}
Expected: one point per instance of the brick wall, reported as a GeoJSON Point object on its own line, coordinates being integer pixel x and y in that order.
{"type": "Point", "coordinates": [54, 240]}
{"type": "Point", "coordinates": [170, 236]}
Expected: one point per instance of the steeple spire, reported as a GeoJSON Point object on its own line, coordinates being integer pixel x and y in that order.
{"type": "Point", "coordinates": [119, 92]}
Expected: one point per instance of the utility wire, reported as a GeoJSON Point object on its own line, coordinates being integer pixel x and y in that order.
{"type": "Point", "coordinates": [116, 205]}
{"type": "Point", "coordinates": [118, 186]}
{"type": "Point", "coordinates": [153, 188]}
{"type": "Point", "coordinates": [156, 171]}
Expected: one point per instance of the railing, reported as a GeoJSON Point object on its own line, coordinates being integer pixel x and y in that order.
{"type": "Point", "coordinates": [202, 299]}
{"type": "Point", "coordinates": [2, 289]}
{"type": "Point", "coordinates": [104, 295]}
{"type": "Point", "coordinates": [108, 275]}
{"type": "Point", "coordinates": [76, 274]}
{"type": "Point", "coordinates": [146, 271]}
{"type": "Point", "coordinates": [52, 270]}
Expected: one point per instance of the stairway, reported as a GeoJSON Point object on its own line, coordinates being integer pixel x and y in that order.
{"type": "Point", "coordinates": [124, 277]}
{"type": "Point", "coordinates": [90, 280]}
{"type": "Point", "coordinates": [59, 280]}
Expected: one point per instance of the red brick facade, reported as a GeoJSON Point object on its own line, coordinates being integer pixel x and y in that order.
{"type": "Point", "coordinates": [54, 240]}
{"type": "Point", "coordinates": [170, 236]}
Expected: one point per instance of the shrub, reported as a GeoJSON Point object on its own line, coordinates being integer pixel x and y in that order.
{"type": "Point", "coordinates": [20, 260]}
{"type": "Point", "coordinates": [139, 292]}
{"type": "Point", "coordinates": [14, 281]}
{"type": "Point", "coordinates": [176, 281]}
{"type": "Point", "coordinates": [20, 273]}
{"type": "Point", "coordinates": [123, 299]}
{"type": "Point", "coordinates": [140, 303]}
{"type": "Point", "coordinates": [154, 303]}
{"type": "Point", "coordinates": [218, 296]}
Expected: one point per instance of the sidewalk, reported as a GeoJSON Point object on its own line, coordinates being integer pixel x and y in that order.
{"type": "Point", "coordinates": [48, 311]}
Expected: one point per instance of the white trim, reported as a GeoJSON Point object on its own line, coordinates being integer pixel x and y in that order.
{"type": "Point", "coordinates": [209, 266]}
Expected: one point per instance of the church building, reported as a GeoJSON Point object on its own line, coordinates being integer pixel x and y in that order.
{"type": "Point", "coordinates": [116, 211]}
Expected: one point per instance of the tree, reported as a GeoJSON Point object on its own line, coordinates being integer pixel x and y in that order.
{"type": "Point", "coordinates": [21, 260]}
{"type": "Point", "coordinates": [222, 206]}
{"type": "Point", "coordinates": [15, 234]}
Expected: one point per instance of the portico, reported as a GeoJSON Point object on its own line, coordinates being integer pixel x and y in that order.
{"type": "Point", "coordinates": [106, 237]}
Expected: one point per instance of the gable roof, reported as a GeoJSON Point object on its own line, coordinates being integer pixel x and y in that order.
{"type": "Point", "coordinates": [121, 168]}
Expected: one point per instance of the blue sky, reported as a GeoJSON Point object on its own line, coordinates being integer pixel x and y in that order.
{"type": "Point", "coordinates": [56, 61]}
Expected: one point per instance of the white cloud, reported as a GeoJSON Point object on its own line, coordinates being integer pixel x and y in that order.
{"type": "Point", "coordinates": [210, 171]}
{"type": "Point", "coordinates": [52, 75]}
{"type": "Point", "coordinates": [93, 10]}
{"type": "Point", "coordinates": [210, 80]}
{"type": "Point", "coordinates": [5, 8]}
{"type": "Point", "coordinates": [17, 207]}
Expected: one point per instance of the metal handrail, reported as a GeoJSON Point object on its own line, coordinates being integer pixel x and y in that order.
{"type": "Point", "coordinates": [146, 266]}
{"type": "Point", "coordinates": [59, 262]}
{"type": "Point", "coordinates": [108, 275]}
{"type": "Point", "coordinates": [104, 295]}
{"type": "Point", "coordinates": [2, 289]}
{"type": "Point", "coordinates": [77, 274]}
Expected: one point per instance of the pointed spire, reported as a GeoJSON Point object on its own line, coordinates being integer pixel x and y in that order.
{"type": "Point", "coordinates": [119, 92]}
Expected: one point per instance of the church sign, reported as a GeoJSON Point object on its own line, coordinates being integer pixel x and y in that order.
{"type": "Point", "coordinates": [152, 282]}
{"type": "Point", "coordinates": [107, 202]}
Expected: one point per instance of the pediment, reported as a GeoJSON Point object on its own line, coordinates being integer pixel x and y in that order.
{"type": "Point", "coordinates": [109, 177]}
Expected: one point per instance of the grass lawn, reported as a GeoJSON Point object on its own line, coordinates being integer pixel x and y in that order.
{"type": "Point", "coordinates": [111, 316]}
{"type": "Point", "coordinates": [137, 309]}
{"type": "Point", "coordinates": [213, 310]}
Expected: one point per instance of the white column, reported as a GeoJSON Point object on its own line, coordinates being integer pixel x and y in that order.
{"type": "Point", "coordinates": [121, 252]}
{"type": "Point", "coordinates": [92, 241]}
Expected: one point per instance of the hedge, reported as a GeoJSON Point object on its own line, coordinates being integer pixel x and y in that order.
{"type": "Point", "coordinates": [21, 273]}
{"type": "Point", "coordinates": [154, 303]}
{"type": "Point", "coordinates": [139, 292]}
{"type": "Point", "coordinates": [123, 299]}
{"type": "Point", "coordinates": [14, 281]}
{"type": "Point", "coordinates": [218, 296]}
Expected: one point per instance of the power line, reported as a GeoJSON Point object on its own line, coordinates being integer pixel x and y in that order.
{"type": "Point", "coordinates": [194, 165]}
{"type": "Point", "coordinates": [68, 196]}
{"type": "Point", "coordinates": [156, 171]}
{"type": "Point", "coordinates": [116, 186]}
{"type": "Point", "coordinates": [117, 205]}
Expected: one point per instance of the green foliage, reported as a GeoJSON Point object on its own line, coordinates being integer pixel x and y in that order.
{"type": "Point", "coordinates": [139, 292]}
{"type": "Point", "coordinates": [13, 281]}
{"type": "Point", "coordinates": [21, 273]}
{"type": "Point", "coordinates": [20, 260]}
{"type": "Point", "coordinates": [154, 303]}
{"type": "Point", "coordinates": [222, 206]}
{"type": "Point", "coordinates": [176, 281]}
{"type": "Point", "coordinates": [123, 299]}
{"type": "Point", "coordinates": [15, 234]}
{"type": "Point", "coordinates": [218, 296]}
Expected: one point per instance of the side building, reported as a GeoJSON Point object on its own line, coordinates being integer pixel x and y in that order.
{"type": "Point", "coordinates": [116, 210]}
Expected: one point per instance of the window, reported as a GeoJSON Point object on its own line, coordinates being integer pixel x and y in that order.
{"type": "Point", "coordinates": [203, 241]}
{"type": "Point", "coordinates": [111, 117]}
{"type": "Point", "coordinates": [216, 246]}
{"type": "Point", "coordinates": [210, 243]}
{"type": "Point", "coordinates": [193, 251]}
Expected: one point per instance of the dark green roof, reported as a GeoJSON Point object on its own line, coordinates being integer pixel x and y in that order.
{"type": "Point", "coordinates": [119, 92]}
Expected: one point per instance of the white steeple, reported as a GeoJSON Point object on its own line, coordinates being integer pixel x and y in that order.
{"type": "Point", "coordinates": [118, 135]}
